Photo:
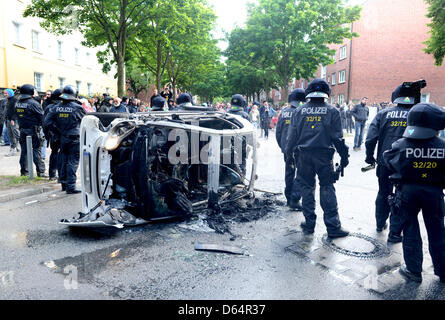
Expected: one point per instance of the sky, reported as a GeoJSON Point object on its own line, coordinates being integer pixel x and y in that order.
{"type": "Point", "coordinates": [230, 14]}
{"type": "Point", "coordinates": [233, 13]}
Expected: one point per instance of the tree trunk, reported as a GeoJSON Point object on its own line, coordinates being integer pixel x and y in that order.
{"type": "Point", "coordinates": [120, 76]}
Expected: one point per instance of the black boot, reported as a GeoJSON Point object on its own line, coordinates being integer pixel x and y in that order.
{"type": "Point", "coordinates": [339, 233]}
{"type": "Point", "coordinates": [73, 191]}
{"type": "Point", "coordinates": [295, 206]}
{"type": "Point", "coordinates": [306, 228]}
{"type": "Point", "coordinates": [414, 276]}
{"type": "Point", "coordinates": [394, 238]}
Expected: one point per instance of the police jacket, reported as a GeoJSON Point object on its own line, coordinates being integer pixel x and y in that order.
{"type": "Point", "coordinates": [121, 109]}
{"type": "Point", "coordinates": [29, 113]}
{"type": "Point", "coordinates": [387, 127]}
{"type": "Point", "coordinates": [417, 161]}
{"type": "Point", "coordinates": [316, 125]}
{"type": "Point", "coordinates": [64, 118]}
{"type": "Point", "coordinates": [47, 131]}
{"type": "Point", "coordinates": [283, 125]}
{"type": "Point", "coordinates": [239, 112]}
{"type": "Point", "coordinates": [360, 112]}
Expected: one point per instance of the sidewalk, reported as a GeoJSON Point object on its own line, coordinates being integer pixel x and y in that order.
{"type": "Point", "coordinates": [9, 166]}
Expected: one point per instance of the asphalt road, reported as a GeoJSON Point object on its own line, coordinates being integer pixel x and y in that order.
{"type": "Point", "coordinates": [41, 259]}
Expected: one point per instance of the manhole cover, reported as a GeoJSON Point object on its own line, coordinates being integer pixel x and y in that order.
{"type": "Point", "coordinates": [356, 245]}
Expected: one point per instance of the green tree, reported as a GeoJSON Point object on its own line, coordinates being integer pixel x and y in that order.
{"type": "Point", "coordinates": [138, 79]}
{"type": "Point", "coordinates": [291, 37]}
{"type": "Point", "coordinates": [436, 43]}
{"type": "Point", "coordinates": [246, 75]}
{"type": "Point", "coordinates": [107, 23]}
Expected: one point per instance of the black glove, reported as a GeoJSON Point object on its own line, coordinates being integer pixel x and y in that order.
{"type": "Point", "coordinates": [370, 160]}
{"type": "Point", "coordinates": [344, 162]}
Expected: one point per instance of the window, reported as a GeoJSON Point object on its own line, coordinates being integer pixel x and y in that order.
{"type": "Point", "coordinates": [302, 84]}
{"type": "Point", "coordinates": [334, 57]}
{"type": "Point", "coordinates": [425, 97]}
{"type": "Point", "coordinates": [38, 81]}
{"type": "Point", "coordinates": [78, 83]}
{"type": "Point", "coordinates": [88, 60]}
{"type": "Point", "coordinates": [35, 41]}
{"type": "Point", "coordinates": [334, 75]}
{"type": "Point", "coordinates": [17, 33]}
{"type": "Point", "coordinates": [342, 76]}
{"type": "Point", "coordinates": [343, 53]}
{"type": "Point", "coordinates": [60, 49]}
{"type": "Point", "coordinates": [341, 99]}
{"type": "Point", "coordinates": [108, 90]}
{"type": "Point", "coordinates": [333, 100]}
{"type": "Point", "coordinates": [323, 72]}
{"type": "Point", "coordinates": [89, 89]}
{"type": "Point", "coordinates": [61, 82]}
{"type": "Point", "coordinates": [76, 56]}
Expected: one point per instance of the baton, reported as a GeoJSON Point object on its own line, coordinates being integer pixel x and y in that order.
{"type": "Point", "coordinates": [368, 168]}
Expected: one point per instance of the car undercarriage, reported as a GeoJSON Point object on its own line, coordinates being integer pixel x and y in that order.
{"type": "Point", "coordinates": [151, 166]}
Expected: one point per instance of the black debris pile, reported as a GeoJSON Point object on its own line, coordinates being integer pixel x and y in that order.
{"type": "Point", "coordinates": [242, 210]}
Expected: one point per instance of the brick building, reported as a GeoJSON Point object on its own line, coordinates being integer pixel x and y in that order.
{"type": "Point", "coordinates": [387, 52]}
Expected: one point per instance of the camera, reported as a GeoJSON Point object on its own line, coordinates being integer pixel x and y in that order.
{"type": "Point", "coordinates": [417, 85]}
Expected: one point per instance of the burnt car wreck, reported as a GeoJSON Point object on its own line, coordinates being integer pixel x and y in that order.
{"type": "Point", "coordinates": [150, 166]}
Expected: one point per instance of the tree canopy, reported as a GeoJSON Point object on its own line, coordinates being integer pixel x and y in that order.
{"type": "Point", "coordinates": [436, 43]}
{"type": "Point", "coordinates": [107, 23]}
{"type": "Point", "coordinates": [289, 39]}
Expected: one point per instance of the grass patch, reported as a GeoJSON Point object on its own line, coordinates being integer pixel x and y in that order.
{"type": "Point", "coordinates": [19, 181]}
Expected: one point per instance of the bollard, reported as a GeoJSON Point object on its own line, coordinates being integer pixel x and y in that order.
{"type": "Point", "coordinates": [29, 156]}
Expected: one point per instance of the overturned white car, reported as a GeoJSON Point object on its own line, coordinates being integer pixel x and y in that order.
{"type": "Point", "coordinates": [150, 166]}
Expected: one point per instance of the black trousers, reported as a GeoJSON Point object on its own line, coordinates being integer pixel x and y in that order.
{"type": "Point", "coordinates": [382, 208]}
{"type": "Point", "coordinates": [292, 190]}
{"type": "Point", "coordinates": [54, 165]}
{"type": "Point", "coordinates": [318, 163]}
{"type": "Point", "coordinates": [36, 152]}
{"type": "Point", "coordinates": [430, 200]}
{"type": "Point", "coordinates": [68, 158]}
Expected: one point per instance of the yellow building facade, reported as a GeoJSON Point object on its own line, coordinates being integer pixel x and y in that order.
{"type": "Point", "coordinates": [29, 54]}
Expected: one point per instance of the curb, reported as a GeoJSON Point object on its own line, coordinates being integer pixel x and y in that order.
{"type": "Point", "coordinates": [18, 193]}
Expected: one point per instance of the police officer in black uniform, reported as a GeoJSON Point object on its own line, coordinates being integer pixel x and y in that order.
{"type": "Point", "coordinates": [417, 162]}
{"type": "Point", "coordinates": [64, 119]}
{"type": "Point", "coordinates": [387, 127]}
{"type": "Point", "coordinates": [237, 106]}
{"type": "Point", "coordinates": [30, 116]}
{"type": "Point", "coordinates": [158, 104]}
{"type": "Point", "coordinates": [315, 131]}
{"type": "Point", "coordinates": [292, 190]}
{"type": "Point", "coordinates": [53, 137]}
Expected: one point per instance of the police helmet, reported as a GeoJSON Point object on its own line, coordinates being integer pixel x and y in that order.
{"type": "Point", "coordinates": [27, 91]}
{"type": "Point", "coordinates": [297, 97]}
{"type": "Point", "coordinates": [184, 98]}
{"type": "Point", "coordinates": [318, 88]}
{"type": "Point", "coordinates": [158, 104]}
{"type": "Point", "coordinates": [68, 93]}
{"type": "Point", "coordinates": [256, 103]}
{"type": "Point", "coordinates": [425, 120]}
{"type": "Point", "coordinates": [56, 94]}
{"type": "Point", "coordinates": [403, 95]}
{"type": "Point", "coordinates": [237, 101]}
{"type": "Point", "coordinates": [408, 92]}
